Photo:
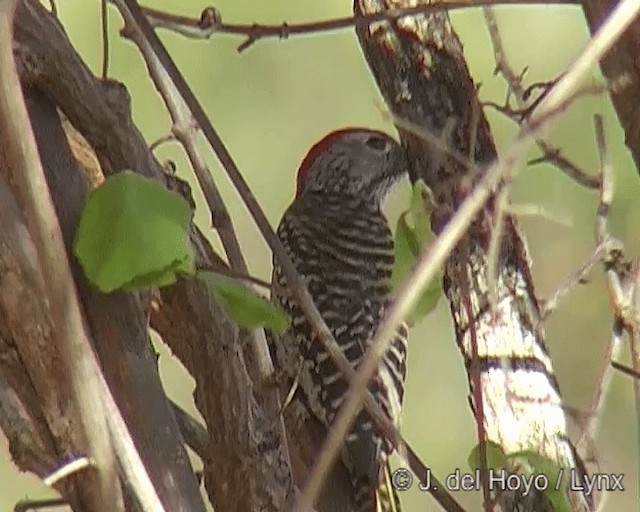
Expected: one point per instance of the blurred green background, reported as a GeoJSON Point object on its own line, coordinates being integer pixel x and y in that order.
{"type": "Point", "coordinates": [273, 101]}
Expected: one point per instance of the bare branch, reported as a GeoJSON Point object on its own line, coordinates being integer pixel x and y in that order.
{"type": "Point", "coordinates": [623, 278]}
{"type": "Point", "coordinates": [210, 22]}
{"type": "Point", "coordinates": [626, 370]}
{"type": "Point", "coordinates": [70, 335]}
{"type": "Point", "coordinates": [67, 469]}
{"type": "Point", "coordinates": [620, 285]}
{"type": "Point", "coordinates": [555, 157]}
{"type": "Point", "coordinates": [589, 429]}
{"type": "Point", "coordinates": [495, 244]}
{"type": "Point", "coordinates": [184, 129]}
{"type": "Point", "coordinates": [634, 334]}
{"type": "Point", "coordinates": [104, 20]}
{"type": "Point", "coordinates": [550, 153]}
{"type": "Point", "coordinates": [475, 375]}
{"type": "Point", "coordinates": [226, 271]}
{"type": "Point", "coordinates": [29, 505]}
{"type": "Point", "coordinates": [603, 250]}
{"type": "Point", "coordinates": [620, 279]}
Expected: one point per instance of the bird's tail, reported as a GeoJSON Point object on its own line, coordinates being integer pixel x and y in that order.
{"type": "Point", "coordinates": [387, 499]}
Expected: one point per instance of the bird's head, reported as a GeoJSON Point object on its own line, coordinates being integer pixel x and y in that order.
{"type": "Point", "coordinates": [354, 162]}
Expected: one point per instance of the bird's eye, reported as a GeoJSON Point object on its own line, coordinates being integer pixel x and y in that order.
{"type": "Point", "coordinates": [377, 143]}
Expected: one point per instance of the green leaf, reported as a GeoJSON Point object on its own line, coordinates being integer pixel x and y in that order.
{"type": "Point", "coordinates": [496, 458]}
{"type": "Point", "coordinates": [413, 232]}
{"type": "Point", "coordinates": [133, 233]}
{"type": "Point", "coordinates": [420, 208]}
{"type": "Point", "coordinates": [246, 307]}
{"type": "Point", "coordinates": [530, 463]}
{"type": "Point", "coordinates": [406, 249]}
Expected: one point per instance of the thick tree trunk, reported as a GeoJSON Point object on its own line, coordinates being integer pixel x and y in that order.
{"type": "Point", "coordinates": [420, 68]}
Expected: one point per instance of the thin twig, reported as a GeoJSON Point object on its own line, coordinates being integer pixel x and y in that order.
{"type": "Point", "coordinates": [606, 184]}
{"type": "Point", "coordinates": [603, 249]}
{"type": "Point", "coordinates": [163, 72]}
{"type": "Point", "coordinates": [162, 140]}
{"type": "Point", "coordinates": [104, 20]}
{"type": "Point", "coordinates": [550, 154]}
{"type": "Point", "coordinates": [555, 157]}
{"type": "Point", "coordinates": [27, 505]}
{"type": "Point", "coordinates": [619, 280]}
{"type": "Point", "coordinates": [475, 374]}
{"type": "Point", "coordinates": [129, 459]}
{"type": "Point", "coordinates": [495, 245]}
{"type": "Point", "coordinates": [634, 334]}
{"type": "Point", "coordinates": [626, 370]}
{"type": "Point", "coordinates": [434, 255]}
{"type": "Point", "coordinates": [99, 416]}
{"type": "Point", "coordinates": [210, 21]}
{"type": "Point", "coordinates": [589, 430]}
{"type": "Point", "coordinates": [229, 272]}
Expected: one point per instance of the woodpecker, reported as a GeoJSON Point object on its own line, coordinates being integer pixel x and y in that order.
{"type": "Point", "coordinates": [340, 243]}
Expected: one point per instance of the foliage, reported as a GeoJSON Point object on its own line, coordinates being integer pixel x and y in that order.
{"type": "Point", "coordinates": [496, 458]}
{"type": "Point", "coordinates": [133, 233]}
{"type": "Point", "coordinates": [246, 307]}
{"type": "Point", "coordinates": [532, 466]}
{"type": "Point", "coordinates": [413, 234]}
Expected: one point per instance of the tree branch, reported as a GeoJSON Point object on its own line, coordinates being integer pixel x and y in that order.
{"type": "Point", "coordinates": [621, 61]}
{"type": "Point", "coordinates": [70, 335]}
{"type": "Point", "coordinates": [550, 154]}
{"type": "Point", "coordinates": [208, 344]}
{"type": "Point", "coordinates": [118, 326]}
{"type": "Point", "coordinates": [210, 21]}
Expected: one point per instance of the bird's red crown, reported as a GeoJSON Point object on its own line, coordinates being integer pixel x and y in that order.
{"type": "Point", "coordinates": [320, 147]}
{"type": "Point", "coordinates": [316, 150]}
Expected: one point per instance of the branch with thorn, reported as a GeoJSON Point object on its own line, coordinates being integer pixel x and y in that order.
{"type": "Point", "coordinates": [623, 284]}
{"type": "Point", "coordinates": [210, 21]}
{"type": "Point", "coordinates": [550, 153]}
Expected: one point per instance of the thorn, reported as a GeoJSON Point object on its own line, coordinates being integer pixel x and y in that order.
{"type": "Point", "coordinates": [626, 370]}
